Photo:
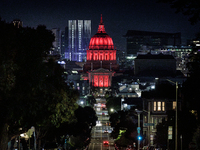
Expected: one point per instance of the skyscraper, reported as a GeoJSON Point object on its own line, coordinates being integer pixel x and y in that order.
{"type": "Point", "coordinates": [79, 34]}
{"type": "Point", "coordinates": [57, 42]}
{"type": "Point", "coordinates": [64, 43]}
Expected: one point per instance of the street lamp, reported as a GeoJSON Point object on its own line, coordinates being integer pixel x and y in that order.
{"type": "Point", "coordinates": [176, 124]}
{"type": "Point", "coordinates": [138, 128]}
{"type": "Point", "coordinates": [122, 99]}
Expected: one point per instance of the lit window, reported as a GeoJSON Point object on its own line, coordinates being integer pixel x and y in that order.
{"type": "Point", "coordinates": [174, 104]}
{"type": "Point", "coordinates": [159, 106]}
{"type": "Point", "coordinates": [163, 106]}
{"type": "Point", "coordinates": [154, 106]}
{"type": "Point", "coordinates": [77, 84]}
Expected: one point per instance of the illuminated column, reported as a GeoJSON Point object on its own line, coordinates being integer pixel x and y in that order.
{"type": "Point", "coordinates": [111, 55]}
{"type": "Point", "coordinates": [98, 55]}
{"type": "Point", "coordinates": [91, 54]}
{"type": "Point", "coordinates": [96, 80]}
{"type": "Point", "coordinates": [114, 55]}
{"type": "Point", "coordinates": [108, 55]}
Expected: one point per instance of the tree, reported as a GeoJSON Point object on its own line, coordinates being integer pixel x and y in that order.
{"type": "Point", "coordinates": [114, 103]}
{"type": "Point", "coordinates": [162, 133]}
{"type": "Point", "coordinates": [191, 85]}
{"type": "Point", "coordinates": [186, 127]}
{"type": "Point", "coordinates": [122, 121]}
{"type": "Point", "coordinates": [33, 91]}
{"type": "Point", "coordinates": [196, 137]}
{"type": "Point", "coordinates": [86, 119]}
{"type": "Point", "coordinates": [91, 100]}
{"type": "Point", "coordinates": [189, 8]}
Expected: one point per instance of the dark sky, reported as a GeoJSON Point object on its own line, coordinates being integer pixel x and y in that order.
{"type": "Point", "coordinates": [118, 16]}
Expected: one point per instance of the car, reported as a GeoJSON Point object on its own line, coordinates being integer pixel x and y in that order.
{"type": "Point", "coordinates": [105, 143]}
{"type": "Point", "coordinates": [105, 131]}
{"type": "Point", "coordinates": [108, 123]}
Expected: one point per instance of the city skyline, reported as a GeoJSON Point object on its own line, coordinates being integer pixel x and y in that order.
{"type": "Point", "coordinates": [118, 16]}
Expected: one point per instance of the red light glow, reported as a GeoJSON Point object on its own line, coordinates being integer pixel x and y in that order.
{"type": "Point", "coordinates": [101, 81]}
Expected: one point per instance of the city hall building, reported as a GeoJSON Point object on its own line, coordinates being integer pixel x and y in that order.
{"type": "Point", "coordinates": [101, 64]}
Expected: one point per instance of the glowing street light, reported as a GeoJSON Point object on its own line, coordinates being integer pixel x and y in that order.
{"type": "Point", "coordinates": [122, 99]}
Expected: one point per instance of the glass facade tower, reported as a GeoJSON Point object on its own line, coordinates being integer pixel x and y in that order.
{"type": "Point", "coordinates": [79, 34]}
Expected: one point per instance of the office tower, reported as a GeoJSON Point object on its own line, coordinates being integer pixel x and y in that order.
{"type": "Point", "coordinates": [57, 42]}
{"type": "Point", "coordinates": [64, 43]}
{"type": "Point", "coordinates": [18, 23]}
{"type": "Point", "coordinates": [79, 34]}
{"type": "Point", "coordinates": [141, 40]}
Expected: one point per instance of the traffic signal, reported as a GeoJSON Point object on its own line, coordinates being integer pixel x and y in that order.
{"type": "Point", "coordinates": [139, 137]}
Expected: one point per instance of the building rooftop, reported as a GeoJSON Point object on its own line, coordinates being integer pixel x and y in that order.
{"type": "Point", "coordinates": [152, 56]}
{"type": "Point", "coordinates": [145, 33]}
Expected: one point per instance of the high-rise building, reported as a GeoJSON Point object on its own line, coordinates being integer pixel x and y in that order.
{"type": "Point", "coordinates": [18, 23]}
{"type": "Point", "coordinates": [64, 43]}
{"type": "Point", "coordinates": [57, 42]}
{"type": "Point", "coordinates": [79, 34]}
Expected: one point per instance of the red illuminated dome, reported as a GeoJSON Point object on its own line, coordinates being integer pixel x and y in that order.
{"type": "Point", "coordinates": [101, 40]}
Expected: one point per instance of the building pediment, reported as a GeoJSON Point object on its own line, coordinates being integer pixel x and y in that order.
{"type": "Point", "coordinates": [101, 70]}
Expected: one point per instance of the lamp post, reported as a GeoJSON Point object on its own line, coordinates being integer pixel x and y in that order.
{"type": "Point", "coordinates": [176, 124]}
{"type": "Point", "coordinates": [138, 128]}
{"type": "Point", "coordinates": [122, 99]}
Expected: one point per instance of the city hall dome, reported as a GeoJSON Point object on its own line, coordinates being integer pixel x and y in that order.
{"type": "Point", "coordinates": [101, 40]}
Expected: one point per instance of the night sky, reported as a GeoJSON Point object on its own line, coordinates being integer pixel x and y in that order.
{"type": "Point", "coordinates": [118, 16]}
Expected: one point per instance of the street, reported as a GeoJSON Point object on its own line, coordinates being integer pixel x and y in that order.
{"type": "Point", "coordinates": [101, 132]}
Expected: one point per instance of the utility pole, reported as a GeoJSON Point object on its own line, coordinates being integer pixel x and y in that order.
{"type": "Point", "coordinates": [176, 122]}
{"type": "Point", "coordinates": [138, 128]}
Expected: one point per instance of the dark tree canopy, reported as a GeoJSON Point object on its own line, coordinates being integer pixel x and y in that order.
{"type": "Point", "coordinates": [33, 91]}
{"type": "Point", "coordinates": [190, 8]}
